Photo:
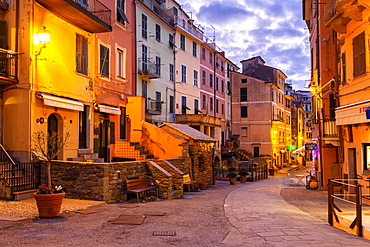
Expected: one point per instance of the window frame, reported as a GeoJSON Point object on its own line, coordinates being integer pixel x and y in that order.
{"type": "Point", "coordinates": [158, 32]}
{"type": "Point", "coordinates": [183, 73]}
{"type": "Point", "coordinates": [104, 62]}
{"type": "Point", "coordinates": [144, 26]}
{"type": "Point", "coordinates": [182, 42]}
{"type": "Point", "coordinates": [82, 54]}
{"type": "Point", "coordinates": [243, 111]}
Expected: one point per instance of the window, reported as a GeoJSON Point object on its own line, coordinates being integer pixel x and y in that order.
{"type": "Point", "coordinates": [244, 111]}
{"type": "Point", "coordinates": [244, 80]}
{"type": "Point", "coordinates": [350, 133]}
{"type": "Point", "coordinates": [222, 66]}
{"type": "Point", "coordinates": [244, 131]}
{"type": "Point", "coordinates": [366, 153]}
{"type": "Point", "coordinates": [217, 62]}
{"type": "Point", "coordinates": [204, 102]}
{"type": "Point", "coordinates": [204, 77]}
{"type": "Point", "coordinates": [144, 26]}
{"type": "Point", "coordinates": [211, 104]}
{"type": "Point", "coordinates": [228, 109]}
{"type": "Point", "coordinates": [81, 54]}
{"type": "Point", "coordinates": [121, 63]}
{"type": "Point", "coordinates": [182, 42]}
{"type": "Point", "coordinates": [222, 109]}
{"type": "Point", "coordinates": [359, 57]}
{"type": "Point", "coordinates": [183, 73]}
{"type": "Point", "coordinates": [172, 104]}
{"type": "Point", "coordinates": [104, 61]}
{"type": "Point", "coordinates": [228, 87]}
{"type": "Point", "coordinates": [216, 106]}
{"type": "Point", "coordinates": [158, 65]}
{"type": "Point", "coordinates": [121, 17]}
{"type": "Point", "coordinates": [210, 80]}
{"type": "Point", "coordinates": [216, 83]}
{"type": "Point", "coordinates": [203, 53]}
{"type": "Point", "coordinates": [184, 106]}
{"type": "Point", "coordinates": [172, 70]}
{"type": "Point", "coordinates": [157, 32]}
{"type": "Point", "coordinates": [210, 58]}
{"type": "Point", "coordinates": [170, 41]}
{"type": "Point", "coordinates": [175, 11]}
{"type": "Point", "coordinates": [344, 68]}
{"type": "Point", "coordinates": [243, 94]}
{"type": "Point", "coordinates": [144, 91]}
{"type": "Point", "coordinates": [195, 78]}
{"type": "Point", "coordinates": [222, 86]}
{"type": "Point", "coordinates": [196, 106]}
{"type": "Point", "coordinates": [144, 57]}
{"type": "Point", "coordinates": [272, 94]}
{"type": "Point", "coordinates": [194, 49]}
{"type": "Point", "coordinates": [158, 101]}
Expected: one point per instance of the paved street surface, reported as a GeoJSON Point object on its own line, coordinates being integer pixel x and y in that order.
{"type": "Point", "coordinates": [264, 213]}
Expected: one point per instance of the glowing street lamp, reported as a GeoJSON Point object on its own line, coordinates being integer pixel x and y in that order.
{"type": "Point", "coordinates": [42, 37]}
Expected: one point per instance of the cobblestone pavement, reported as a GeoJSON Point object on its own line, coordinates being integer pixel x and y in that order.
{"type": "Point", "coordinates": [251, 214]}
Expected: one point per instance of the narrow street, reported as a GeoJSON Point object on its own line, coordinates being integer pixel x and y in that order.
{"type": "Point", "coordinates": [251, 214]}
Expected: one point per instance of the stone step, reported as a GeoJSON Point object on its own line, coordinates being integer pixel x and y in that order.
{"type": "Point", "coordinates": [26, 194]}
{"type": "Point", "coordinates": [89, 156]}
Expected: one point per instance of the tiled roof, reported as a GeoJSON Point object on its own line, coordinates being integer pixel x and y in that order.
{"type": "Point", "coordinates": [189, 131]}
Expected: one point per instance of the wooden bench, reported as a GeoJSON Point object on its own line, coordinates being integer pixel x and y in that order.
{"type": "Point", "coordinates": [186, 180]}
{"type": "Point", "coordinates": [138, 185]}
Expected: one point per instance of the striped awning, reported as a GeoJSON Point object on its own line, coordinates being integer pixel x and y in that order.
{"type": "Point", "coordinates": [55, 101]}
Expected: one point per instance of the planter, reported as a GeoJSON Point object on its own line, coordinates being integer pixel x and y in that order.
{"type": "Point", "coordinates": [49, 204]}
{"type": "Point", "coordinates": [202, 186]}
{"type": "Point", "coordinates": [232, 181]}
{"type": "Point", "coordinates": [243, 179]}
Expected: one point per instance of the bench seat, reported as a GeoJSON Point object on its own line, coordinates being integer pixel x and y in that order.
{"type": "Point", "coordinates": [136, 186]}
{"type": "Point", "coordinates": [187, 182]}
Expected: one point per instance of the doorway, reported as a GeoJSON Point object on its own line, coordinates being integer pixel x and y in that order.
{"type": "Point", "coordinates": [352, 169]}
{"type": "Point", "coordinates": [53, 129]}
{"type": "Point", "coordinates": [256, 152]}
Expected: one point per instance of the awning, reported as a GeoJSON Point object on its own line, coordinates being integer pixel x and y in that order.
{"type": "Point", "coordinates": [61, 102]}
{"type": "Point", "coordinates": [301, 149]}
{"type": "Point", "coordinates": [109, 109]}
{"type": "Point", "coordinates": [352, 114]}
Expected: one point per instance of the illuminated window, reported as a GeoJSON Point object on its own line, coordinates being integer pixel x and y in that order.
{"type": "Point", "coordinates": [244, 131]}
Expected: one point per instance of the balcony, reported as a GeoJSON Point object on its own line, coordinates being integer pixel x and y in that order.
{"type": "Point", "coordinates": [189, 27]}
{"type": "Point", "coordinates": [153, 107]}
{"type": "Point", "coordinates": [4, 5]}
{"type": "Point", "coordinates": [338, 13]}
{"type": "Point", "coordinates": [198, 119]}
{"type": "Point", "coordinates": [156, 8]}
{"type": "Point", "coordinates": [89, 15]}
{"type": "Point", "coordinates": [330, 132]}
{"type": "Point", "coordinates": [278, 119]}
{"type": "Point", "coordinates": [149, 69]}
{"type": "Point", "coordinates": [7, 68]}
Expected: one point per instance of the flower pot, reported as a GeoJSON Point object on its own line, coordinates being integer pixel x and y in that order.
{"type": "Point", "coordinates": [202, 186]}
{"type": "Point", "coordinates": [243, 179]}
{"type": "Point", "coordinates": [232, 181]}
{"type": "Point", "coordinates": [49, 204]}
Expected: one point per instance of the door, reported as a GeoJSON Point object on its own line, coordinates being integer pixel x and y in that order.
{"type": "Point", "coordinates": [103, 135]}
{"type": "Point", "coordinates": [52, 130]}
{"type": "Point", "coordinates": [256, 151]}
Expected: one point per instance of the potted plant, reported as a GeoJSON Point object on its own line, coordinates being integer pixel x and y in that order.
{"type": "Point", "coordinates": [46, 147]}
{"type": "Point", "coordinates": [314, 184]}
{"type": "Point", "coordinates": [243, 172]}
{"type": "Point", "coordinates": [232, 175]}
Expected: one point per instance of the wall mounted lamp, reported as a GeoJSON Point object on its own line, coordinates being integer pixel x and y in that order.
{"type": "Point", "coordinates": [42, 37]}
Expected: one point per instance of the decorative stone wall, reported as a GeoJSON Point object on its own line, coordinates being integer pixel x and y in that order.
{"type": "Point", "coordinates": [176, 190]}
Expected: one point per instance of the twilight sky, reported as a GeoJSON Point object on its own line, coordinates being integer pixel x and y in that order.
{"type": "Point", "coordinates": [272, 29]}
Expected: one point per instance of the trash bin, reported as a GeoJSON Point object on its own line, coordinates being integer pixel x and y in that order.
{"type": "Point", "coordinates": [271, 171]}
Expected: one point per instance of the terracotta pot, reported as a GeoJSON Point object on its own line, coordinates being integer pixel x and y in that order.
{"type": "Point", "coordinates": [49, 204]}
{"type": "Point", "coordinates": [243, 179]}
{"type": "Point", "coordinates": [232, 181]}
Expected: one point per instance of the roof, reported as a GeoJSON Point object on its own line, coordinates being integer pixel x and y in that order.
{"type": "Point", "coordinates": [189, 131]}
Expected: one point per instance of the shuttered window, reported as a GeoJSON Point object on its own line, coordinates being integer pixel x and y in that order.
{"type": "Point", "coordinates": [359, 56]}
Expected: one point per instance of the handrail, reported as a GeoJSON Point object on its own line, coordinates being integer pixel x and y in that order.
{"type": "Point", "coordinates": [164, 151]}
{"type": "Point", "coordinates": [4, 154]}
{"type": "Point", "coordinates": [358, 202]}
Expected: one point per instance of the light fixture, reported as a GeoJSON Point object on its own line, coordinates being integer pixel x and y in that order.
{"type": "Point", "coordinates": [43, 37]}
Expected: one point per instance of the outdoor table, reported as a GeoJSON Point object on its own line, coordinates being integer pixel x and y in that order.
{"type": "Point", "coordinates": [300, 179]}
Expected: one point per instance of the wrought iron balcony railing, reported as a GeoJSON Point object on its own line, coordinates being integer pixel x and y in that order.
{"type": "Point", "coordinates": [153, 107]}
{"type": "Point", "coordinates": [7, 67]}
{"type": "Point", "coordinates": [149, 68]}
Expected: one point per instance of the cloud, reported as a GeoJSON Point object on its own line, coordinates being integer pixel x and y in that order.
{"type": "Point", "coordinates": [271, 29]}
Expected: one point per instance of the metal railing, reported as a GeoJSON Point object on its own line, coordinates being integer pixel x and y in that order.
{"type": "Point", "coordinates": [149, 68]}
{"type": "Point", "coordinates": [154, 105]}
{"type": "Point", "coordinates": [189, 27]}
{"type": "Point", "coordinates": [7, 64]}
{"type": "Point", "coordinates": [96, 8]}
{"type": "Point", "coordinates": [162, 13]}
{"type": "Point", "coordinates": [355, 196]}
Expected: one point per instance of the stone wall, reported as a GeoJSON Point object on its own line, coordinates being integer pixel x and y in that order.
{"type": "Point", "coordinates": [96, 181]}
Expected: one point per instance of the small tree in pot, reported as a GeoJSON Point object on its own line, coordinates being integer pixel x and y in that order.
{"type": "Point", "coordinates": [243, 172]}
{"type": "Point", "coordinates": [232, 175]}
{"type": "Point", "coordinates": [46, 147]}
